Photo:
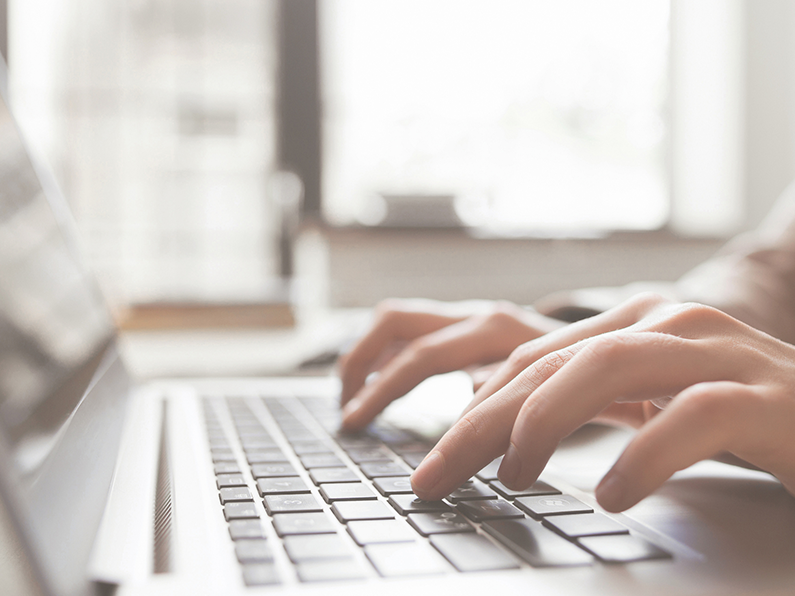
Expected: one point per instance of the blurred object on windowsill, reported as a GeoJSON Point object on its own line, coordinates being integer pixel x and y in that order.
{"type": "Point", "coordinates": [273, 309]}
{"type": "Point", "coordinates": [203, 315]}
{"type": "Point", "coordinates": [416, 210]}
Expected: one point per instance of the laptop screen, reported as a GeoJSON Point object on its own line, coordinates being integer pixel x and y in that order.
{"type": "Point", "coordinates": [63, 388]}
{"type": "Point", "coordinates": [53, 323]}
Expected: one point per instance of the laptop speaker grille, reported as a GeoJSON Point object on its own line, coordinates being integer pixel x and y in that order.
{"type": "Point", "coordinates": [163, 510]}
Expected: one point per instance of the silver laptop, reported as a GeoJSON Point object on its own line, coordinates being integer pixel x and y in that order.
{"type": "Point", "coordinates": [244, 486]}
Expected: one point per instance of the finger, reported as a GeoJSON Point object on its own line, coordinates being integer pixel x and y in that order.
{"type": "Point", "coordinates": [620, 317]}
{"type": "Point", "coordinates": [395, 322]}
{"type": "Point", "coordinates": [471, 341]}
{"type": "Point", "coordinates": [483, 433]}
{"type": "Point", "coordinates": [631, 415]}
{"type": "Point", "coordinates": [701, 422]}
{"type": "Point", "coordinates": [617, 366]}
{"type": "Point", "coordinates": [483, 373]}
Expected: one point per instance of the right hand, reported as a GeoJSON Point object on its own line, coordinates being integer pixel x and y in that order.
{"type": "Point", "coordinates": [411, 340]}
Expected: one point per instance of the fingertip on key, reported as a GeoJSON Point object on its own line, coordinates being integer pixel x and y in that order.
{"type": "Point", "coordinates": [510, 467]}
{"type": "Point", "coordinates": [428, 474]}
{"type": "Point", "coordinates": [612, 493]}
{"type": "Point", "coordinates": [351, 415]}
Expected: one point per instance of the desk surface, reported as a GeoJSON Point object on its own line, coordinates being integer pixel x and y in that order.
{"type": "Point", "coordinates": [231, 353]}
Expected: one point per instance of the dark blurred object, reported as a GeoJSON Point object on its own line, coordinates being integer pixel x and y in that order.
{"type": "Point", "coordinates": [286, 192]}
{"type": "Point", "coordinates": [410, 211]}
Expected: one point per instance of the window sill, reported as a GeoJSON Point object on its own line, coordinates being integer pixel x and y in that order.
{"type": "Point", "coordinates": [364, 265]}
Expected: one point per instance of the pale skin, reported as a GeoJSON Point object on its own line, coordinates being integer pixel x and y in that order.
{"type": "Point", "coordinates": [731, 390]}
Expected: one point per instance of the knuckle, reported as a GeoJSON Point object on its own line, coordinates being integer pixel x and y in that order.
{"type": "Point", "coordinates": [421, 352]}
{"type": "Point", "coordinates": [704, 402]}
{"type": "Point", "coordinates": [503, 313]}
{"type": "Point", "coordinates": [545, 367]}
{"type": "Point", "coordinates": [523, 356]}
{"type": "Point", "coordinates": [420, 348]}
{"type": "Point", "coordinates": [609, 348]}
{"type": "Point", "coordinates": [689, 313]}
{"type": "Point", "coordinates": [471, 426]}
{"type": "Point", "coordinates": [646, 301]}
{"type": "Point", "coordinates": [387, 308]}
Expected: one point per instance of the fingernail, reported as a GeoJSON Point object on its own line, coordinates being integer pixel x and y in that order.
{"type": "Point", "coordinates": [351, 407]}
{"type": "Point", "coordinates": [349, 412]}
{"type": "Point", "coordinates": [510, 467]}
{"type": "Point", "coordinates": [611, 493]}
{"type": "Point", "coordinates": [428, 473]}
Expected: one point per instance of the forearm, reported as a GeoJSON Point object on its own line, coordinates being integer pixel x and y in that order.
{"type": "Point", "coordinates": [753, 277]}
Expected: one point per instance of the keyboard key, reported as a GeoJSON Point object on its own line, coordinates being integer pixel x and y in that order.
{"type": "Point", "coordinates": [253, 551]}
{"type": "Point", "coordinates": [226, 480]}
{"type": "Point", "coordinates": [321, 460]}
{"type": "Point", "coordinates": [488, 509]}
{"type": "Point", "coordinates": [535, 544]}
{"type": "Point", "coordinates": [439, 523]}
{"type": "Point", "coordinates": [411, 447]}
{"type": "Point", "coordinates": [381, 531]}
{"type": "Point", "coordinates": [390, 486]}
{"type": "Point", "coordinates": [321, 571]}
{"type": "Point", "coordinates": [322, 475]}
{"type": "Point", "coordinates": [489, 473]}
{"type": "Point", "coordinates": [537, 489]}
{"type": "Point", "coordinates": [299, 435]}
{"type": "Point", "coordinates": [253, 430]}
{"type": "Point", "coordinates": [469, 491]}
{"type": "Point", "coordinates": [291, 503]}
{"type": "Point", "coordinates": [379, 469]}
{"type": "Point", "coordinates": [252, 443]}
{"type": "Point", "coordinates": [390, 434]}
{"type": "Point", "coordinates": [584, 524]}
{"type": "Point", "coordinates": [472, 552]}
{"type": "Point", "coordinates": [290, 524]}
{"type": "Point", "coordinates": [354, 510]}
{"type": "Point", "coordinates": [281, 486]}
{"type": "Point", "coordinates": [552, 505]}
{"type": "Point", "coordinates": [316, 547]}
{"type": "Point", "coordinates": [413, 459]}
{"type": "Point", "coordinates": [348, 491]}
{"type": "Point", "coordinates": [273, 470]}
{"type": "Point", "coordinates": [245, 528]}
{"type": "Point", "coordinates": [222, 455]}
{"type": "Point", "coordinates": [356, 441]}
{"type": "Point", "coordinates": [405, 504]}
{"type": "Point", "coordinates": [307, 447]}
{"type": "Point", "coordinates": [266, 456]}
{"type": "Point", "coordinates": [622, 548]}
{"type": "Point", "coordinates": [405, 558]}
{"type": "Point", "coordinates": [260, 574]}
{"type": "Point", "coordinates": [226, 467]}
{"type": "Point", "coordinates": [244, 510]}
{"type": "Point", "coordinates": [362, 454]}
{"type": "Point", "coordinates": [235, 493]}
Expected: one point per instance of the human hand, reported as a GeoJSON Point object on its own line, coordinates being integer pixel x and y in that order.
{"type": "Point", "coordinates": [733, 391]}
{"type": "Point", "coordinates": [411, 340]}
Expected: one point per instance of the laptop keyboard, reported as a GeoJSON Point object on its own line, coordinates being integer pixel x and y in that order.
{"type": "Point", "coordinates": [340, 507]}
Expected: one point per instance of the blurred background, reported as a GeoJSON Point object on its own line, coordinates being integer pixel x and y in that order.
{"type": "Point", "coordinates": [446, 148]}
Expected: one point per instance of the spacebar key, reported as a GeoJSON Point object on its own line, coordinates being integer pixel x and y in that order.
{"type": "Point", "coordinates": [535, 544]}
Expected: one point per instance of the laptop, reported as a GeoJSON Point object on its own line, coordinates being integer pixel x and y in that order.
{"type": "Point", "coordinates": [244, 486]}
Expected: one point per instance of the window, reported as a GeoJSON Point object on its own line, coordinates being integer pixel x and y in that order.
{"type": "Point", "coordinates": [157, 116]}
{"type": "Point", "coordinates": [534, 115]}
